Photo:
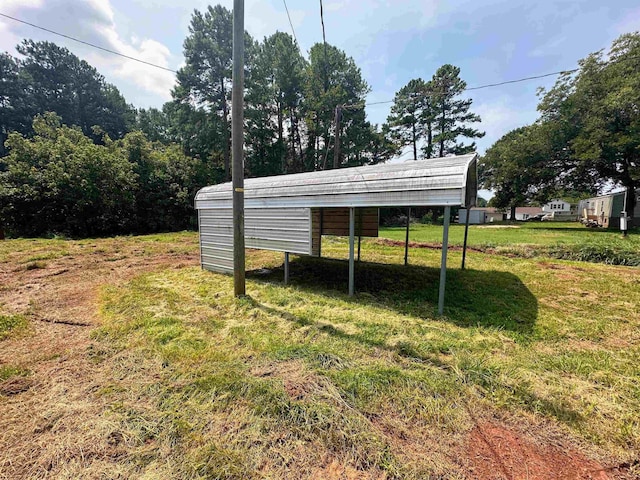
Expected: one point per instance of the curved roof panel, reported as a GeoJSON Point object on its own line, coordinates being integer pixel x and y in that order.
{"type": "Point", "coordinates": [434, 182]}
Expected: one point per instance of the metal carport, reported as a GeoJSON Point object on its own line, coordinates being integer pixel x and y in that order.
{"type": "Point", "coordinates": [286, 212]}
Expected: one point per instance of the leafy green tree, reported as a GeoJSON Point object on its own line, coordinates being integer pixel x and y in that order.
{"type": "Point", "coordinates": [595, 112]}
{"type": "Point", "coordinates": [167, 181]}
{"type": "Point", "coordinates": [519, 169]}
{"type": "Point", "coordinates": [154, 123]}
{"type": "Point", "coordinates": [61, 182]}
{"type": "Point", "coordinates": [452, 116]}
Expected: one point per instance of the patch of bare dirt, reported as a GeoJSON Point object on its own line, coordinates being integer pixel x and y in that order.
{"type": "Point", "coordinates": [433, 246]}
{"type": "Point", "coordinates": [51, 422]}
{"type": "Point", "coordinates": [498, 453]}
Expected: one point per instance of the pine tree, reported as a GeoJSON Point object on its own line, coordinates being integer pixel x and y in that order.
{"type": "Point", "coordinates": [452, 115]}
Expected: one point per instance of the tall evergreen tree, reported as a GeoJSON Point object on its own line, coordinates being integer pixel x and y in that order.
{"type": "Point", "coordinates": [411, 115]}
{"type": "Point", "coordinates": [14, 102]}
{"type": "Point", "coordinates": [452, 116]}
{"type": "Point", "coordinates": [57, 81]}
{"type": "Point", "coordinates": [205, 80]}
{"type": "Point", "coordinates": [333, 79]}
{"type": "Point", "coordinates": [275, 92]}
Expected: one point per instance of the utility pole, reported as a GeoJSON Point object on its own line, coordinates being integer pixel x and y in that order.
{"type": "Point", "coordinates": [237, 145]}
{"type": "Point", "coordinates": [336, 150]}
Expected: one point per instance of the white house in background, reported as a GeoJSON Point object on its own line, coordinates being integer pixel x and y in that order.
{"type": "Point", "coordinates": [524, 213]}
{"type": "Point", "coordinates": [557, 206]}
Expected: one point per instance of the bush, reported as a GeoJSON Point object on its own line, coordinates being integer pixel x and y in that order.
{"type": "Point", "coordinates": [60, 182]}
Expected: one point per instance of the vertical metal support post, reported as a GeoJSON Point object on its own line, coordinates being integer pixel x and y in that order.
{"type": "Point", "coordinates": [466, 232]}
{"type": "Point", "coordinates": [321, 226]}
{"type": "Point", "coordinates": [359, 231]}
{"type": "Point", "coordinates": [352, 234]}
{"type": "Point", "coordinates": [237, 146]}
{"type": "Point", "coordinates": [406, 238]}
{"type": "Point", "coordinates": [443, 262]}
{"type": "Point", "coordinates": [286, 268]}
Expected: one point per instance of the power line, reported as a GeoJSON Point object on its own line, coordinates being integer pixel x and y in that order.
{"type": "Point", "coordinates": [479, 87]}
{"type": "Point", "coordinates": [561, 72]}
{"type": "Point", "coordinates": [88, 43]}
{"type": "Point", "coordinates": [324, 41]}
{"type": "Point", "coordinates": [290, 22]}
{"type": "Point", "coordinates": [324, 38]}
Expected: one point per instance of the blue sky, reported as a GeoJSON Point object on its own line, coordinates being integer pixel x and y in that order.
{"type": "Point", "coordinates": [392, 41]}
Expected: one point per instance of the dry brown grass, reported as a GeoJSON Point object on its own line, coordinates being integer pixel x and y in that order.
{"type": "Point", "coordinates": [52, 425]}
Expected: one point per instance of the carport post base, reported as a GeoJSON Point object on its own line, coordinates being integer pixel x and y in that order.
{"type": "Point", "coordinates": [286, 268]}
{"type": "Point", "coordinates": [443, 263]}
{"type": "Point", "coordinates": [352, 234]}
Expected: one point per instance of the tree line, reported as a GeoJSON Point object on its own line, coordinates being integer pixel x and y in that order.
{"type": "Point", "coordinates": [586, 139]}
{"type": "Point", "coordinates": [76, 158]}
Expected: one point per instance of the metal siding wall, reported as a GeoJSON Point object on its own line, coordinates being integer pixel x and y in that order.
{"type": "Point", "coordinates": [216, 240]}
{"type": "Point", "coordinates": [280, 229]}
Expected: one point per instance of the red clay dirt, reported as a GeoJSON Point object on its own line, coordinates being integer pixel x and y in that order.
{"type": "Point", "coordinates": [497, 453]}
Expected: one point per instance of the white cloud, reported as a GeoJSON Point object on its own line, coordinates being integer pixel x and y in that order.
{"type": "Point", "coordinates": [630, 23]}
{"type": "Point", "coordinates": [92, 21]}
{"type": "Point", "coordinates": [499, 117]}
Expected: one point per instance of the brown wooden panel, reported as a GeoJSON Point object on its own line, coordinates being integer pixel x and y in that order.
{"type": "Point", "coordinates": [335, 221]}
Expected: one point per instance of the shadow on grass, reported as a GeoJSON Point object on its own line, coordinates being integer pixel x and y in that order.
{"type": "Point", "coordinates": [473, 297]}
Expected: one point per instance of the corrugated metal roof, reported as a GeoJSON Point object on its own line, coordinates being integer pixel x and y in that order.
{"type": "Point", "coordinates": [433, 182]}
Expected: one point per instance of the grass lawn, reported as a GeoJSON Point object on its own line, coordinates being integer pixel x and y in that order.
{"type": "Point", "coordinates": [533, 233]}
{"type": "Point", "coordinates": [534, 356]}
{"type": "Point", "coordinates": [563, 240]}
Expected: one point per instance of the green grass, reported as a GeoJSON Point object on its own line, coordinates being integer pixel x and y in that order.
{"type": "Point", "coordinates": [10, 371]}
{"type": "Point", "coordinates": [275, 383]}
{"type": "Point", "coordinates": [568, 241]}
{"type": "Point", "coordinates": [11, 325]}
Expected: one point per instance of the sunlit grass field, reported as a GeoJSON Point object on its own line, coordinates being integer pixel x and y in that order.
{"type": "Point", "coordinates": [534, 233]}
{"type": "Point", "coordinates": [292, 375]}
{"type": "Point", "coordinates": [563, 240]}
{"type": "Point", "coordinates": [294, 379]}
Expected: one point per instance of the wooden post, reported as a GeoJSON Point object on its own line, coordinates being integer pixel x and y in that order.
{"type": "Point", "coordinates": [237, 145]}
{"type": "Point", "coordinates": [336, 150]}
